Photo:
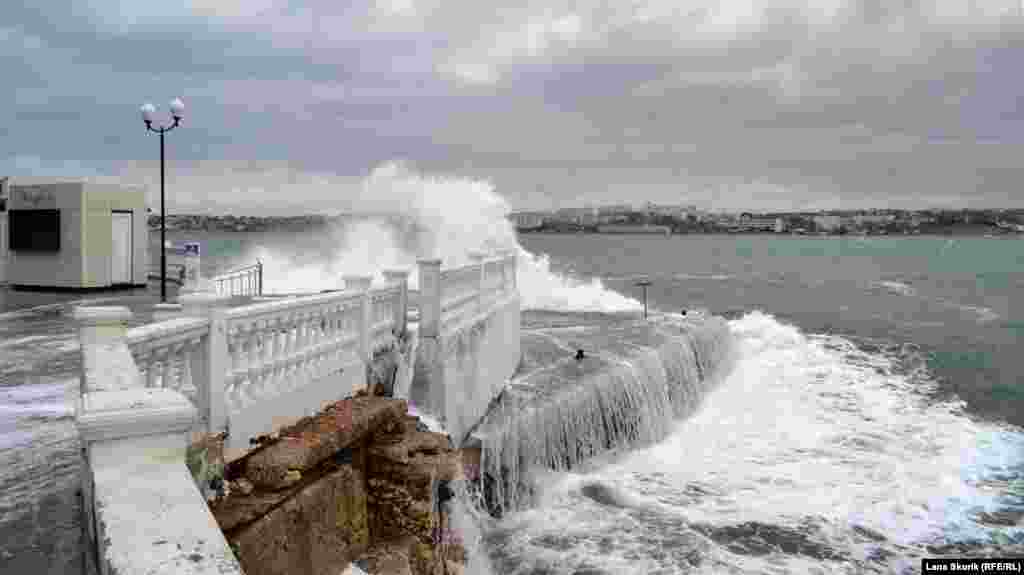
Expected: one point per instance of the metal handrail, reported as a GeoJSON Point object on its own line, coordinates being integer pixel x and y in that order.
{"type": "Point", "coordinates": [242, 272]}
{"type": "Point", "coordinates": [154, 273]}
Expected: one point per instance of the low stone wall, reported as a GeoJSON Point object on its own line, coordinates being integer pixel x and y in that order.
{"type": "Point", "coordinates": [355, 483]}
{"type": "Point", "coordinates": [142, 511]}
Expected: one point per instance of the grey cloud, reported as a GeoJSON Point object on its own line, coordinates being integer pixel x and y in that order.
{"type": "Point", "coordinates": [879, 103]}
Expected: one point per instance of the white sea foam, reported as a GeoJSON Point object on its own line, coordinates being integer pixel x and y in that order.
{"type": "Point", "coordinates": [897, 287]}
{"type": "Point", "coordinates": [431, 217]}
{"type": "Point", "coordinates": [809, 435]}
{"type": "Point", "coordinates": [981, 313]}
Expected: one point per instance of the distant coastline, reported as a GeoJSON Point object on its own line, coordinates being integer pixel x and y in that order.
{"type": "Point", "coordinates": [660, 226]}
{"type": "Point", "coordinates": [966, 230]}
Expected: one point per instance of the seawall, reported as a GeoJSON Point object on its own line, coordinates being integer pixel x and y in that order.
{"type": "Point", "coordinates": [635, 381]}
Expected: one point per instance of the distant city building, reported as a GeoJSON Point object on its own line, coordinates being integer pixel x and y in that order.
{"type": "Point", "coordinates": [618, 209]}
{"type": "Point", "coordinates": [527, 220]}
{"type": "Point", "coordinates": [872, 219]}
{"type": "Point", "coordinates": [828, 223]}
{"type": "Point", "coordinates": [579, 216]}
{"type": "Point", "coordinates": [751, 223]}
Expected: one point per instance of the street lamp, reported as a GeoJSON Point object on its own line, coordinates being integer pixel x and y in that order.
{"type": "Point", "coordinates": [177, 112]}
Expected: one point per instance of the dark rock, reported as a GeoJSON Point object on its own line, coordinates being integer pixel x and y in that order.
{"type": "Point", "coordinates": [313, 440]}
{"type": "Point", "coordinates": [319, 529]}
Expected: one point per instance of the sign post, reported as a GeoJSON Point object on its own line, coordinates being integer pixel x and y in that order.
{"type": "Point", "coordinates": [193, 275]}
{"type": "Point", "coordinates": [643, 285]}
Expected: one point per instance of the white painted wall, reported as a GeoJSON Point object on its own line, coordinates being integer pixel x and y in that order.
{"type": "Point", "coordinates": [457, 375]}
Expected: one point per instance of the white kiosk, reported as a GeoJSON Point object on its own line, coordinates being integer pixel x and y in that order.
{"type": "Point", "coordinates": [76, 235]}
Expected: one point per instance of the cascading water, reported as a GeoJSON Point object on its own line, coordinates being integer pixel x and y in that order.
{"type": "Point", "coordinates": [406, 363]}
{"type": "Point", "coordinates": [646, 376]}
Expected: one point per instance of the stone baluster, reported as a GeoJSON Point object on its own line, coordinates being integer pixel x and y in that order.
{"type": "Point", "coordinates": [188, 350]}
{"type": "Point", "coordinates": [277, 351]}
{"type": "Point", "coordinates": [289, 347]}
{"type": "Point", "coordinates": [430, 297]}
{"type": "Point", "coordinates": [152, 361]}
{"type": "Point", "coordinates": [267, 352]}
{"type": "Point", "coordinates": [305, 342]}
{"type": "Point", "coordinates": [211, 363]}
{"type": "Point", "coordinates": [166, 367]}
{"type": "Point", "coordinates": [179, 357]}
{"type": "Point", "coordinates": [400, 277]}
{"type": "Point", "coordinates": [361, 284]}
{"type": "Point", "coordinates": [253, 360]}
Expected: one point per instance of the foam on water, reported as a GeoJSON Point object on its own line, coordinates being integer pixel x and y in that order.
{"type": "Point", "coordinates": [554, 420]}
{"type": "Point", "coordinates": [897, 287]}
{"type": "Point", "coordinates": [427, 217]}
{"type": "Point", "coordinates": [812, 456]}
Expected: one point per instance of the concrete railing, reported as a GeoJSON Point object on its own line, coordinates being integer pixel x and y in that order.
{"type": "Point", "coordinates": [249, 370]}
{"type": "Point", "coordinates": [247, 280]}
{"type": "Point", "coordinates": [448, 299]}
{"type": "Point", "coordinates": [468, 338]}
{"type": "Point", "coordinates": [241, 372]}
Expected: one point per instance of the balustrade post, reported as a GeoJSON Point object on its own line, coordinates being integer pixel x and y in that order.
{"type": "Point", "coordinates": [211, 365]}
{"type": "Point", "coordinates": [478, 258]}
{"type": "Point", "coordinates": [361, 284]}
{"type": "Point", "coordinates": [104, 327]}
{"type": "Point", "coordinates": [400, 277]}
{"type": "Point", "coordinates": [430, 297]}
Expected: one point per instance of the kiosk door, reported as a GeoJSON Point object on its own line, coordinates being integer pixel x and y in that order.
{"type": "Point", "coordinates": [121, 249]}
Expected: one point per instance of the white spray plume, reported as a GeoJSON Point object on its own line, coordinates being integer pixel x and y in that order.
{"type": "Point", "coordinates": [407, 216]}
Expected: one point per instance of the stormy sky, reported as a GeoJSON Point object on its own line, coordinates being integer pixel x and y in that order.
{"type": "Point", "coordinates": [728, 104]}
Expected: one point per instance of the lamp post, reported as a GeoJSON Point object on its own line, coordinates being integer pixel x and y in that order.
{"type": "Point", "coordinates": [177, 112]}
{"type": "Point", "coordinates": [643, 285]}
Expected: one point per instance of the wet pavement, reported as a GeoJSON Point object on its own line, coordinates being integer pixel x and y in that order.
{"type": "Point", "coordinates": [40, 470]}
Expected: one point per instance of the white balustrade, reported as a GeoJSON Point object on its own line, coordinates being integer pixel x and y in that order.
{"type": "Point", "coordinates": [236, 364]}
{"type": "Point", "coordinates": [248, 371]}
{"type": "Point", "coordinates": [166, 354]}
{"type": "Point", "coordinates": [247, 281]}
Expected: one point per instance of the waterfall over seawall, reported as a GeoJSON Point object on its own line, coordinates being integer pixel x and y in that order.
{"type": "Point", "coordinates": [636, 379]}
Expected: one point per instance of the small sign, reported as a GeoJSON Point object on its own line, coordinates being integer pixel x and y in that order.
{"type": "Point", "coordinates": [34, 197]}
{"type": "Point", "coordinates": [187, 255]}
